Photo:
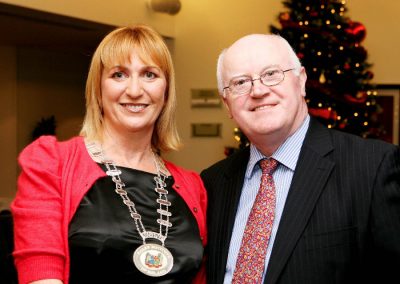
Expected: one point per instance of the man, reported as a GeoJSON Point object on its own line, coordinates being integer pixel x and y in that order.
{"type": "Point", "coordinates": [329, 209]}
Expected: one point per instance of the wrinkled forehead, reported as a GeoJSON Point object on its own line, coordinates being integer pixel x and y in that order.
{"type": "Point", "coordinates": [252, 54]}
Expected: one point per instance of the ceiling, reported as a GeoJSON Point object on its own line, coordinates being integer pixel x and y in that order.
{"type": "Point", "coordinates": [25, 27]}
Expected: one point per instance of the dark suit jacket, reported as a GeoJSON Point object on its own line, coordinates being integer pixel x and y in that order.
{"type": "Point", "coordinates": [341, 220]}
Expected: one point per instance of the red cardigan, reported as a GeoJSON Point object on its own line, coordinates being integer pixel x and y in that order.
{"type": "Point", "coordinates": [55, 176]}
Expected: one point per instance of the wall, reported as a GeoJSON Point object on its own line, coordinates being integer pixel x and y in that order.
{"type": "Point", "coordinates": [201, 30]}
{"type": "Point", "coordinates": [204, 28]}
{"type": "Point", "coordinates": [122, 12]}
{"type": "Point", "coordinates": [383, 36]}
{"type": "Point", "coordinates": [50, 83]}
{"type": "Point", "coordinates": [36, 84]}
{"type": "Point", "coordinates": [8, 123]}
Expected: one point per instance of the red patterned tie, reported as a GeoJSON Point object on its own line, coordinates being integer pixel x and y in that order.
{"type": "Point", "coordinates": [250, 262]}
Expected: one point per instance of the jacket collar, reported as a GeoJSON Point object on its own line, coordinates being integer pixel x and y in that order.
{"type": "Point", "coordinates": [312, 171]}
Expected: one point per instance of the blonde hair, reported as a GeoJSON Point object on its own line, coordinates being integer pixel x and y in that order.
{"type": "Point", "coordinates": [117, 47]}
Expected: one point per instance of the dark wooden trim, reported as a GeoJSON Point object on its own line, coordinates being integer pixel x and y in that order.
{"type": "Point", "coordinates": [48, 18]}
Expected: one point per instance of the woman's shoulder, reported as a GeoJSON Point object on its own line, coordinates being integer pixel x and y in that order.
{"type": "Point", "coordinates": [41, 148]}
{"type": "Point", "coordinates": [48, 148]}
{"type": "Point", "coordinates": [182, 174]}
{"type": "Point", "coordinates": [49, 141]}
{"type": "Point", "coordinates": [173, 168]}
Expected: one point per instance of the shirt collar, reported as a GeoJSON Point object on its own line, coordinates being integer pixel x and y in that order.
{"type": "Point", "coordinates": [287, 154]}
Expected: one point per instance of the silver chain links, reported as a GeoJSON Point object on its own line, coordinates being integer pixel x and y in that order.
{"type": "Point", "coordinates": [160, 188]}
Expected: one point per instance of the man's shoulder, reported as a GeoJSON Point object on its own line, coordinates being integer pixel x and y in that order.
{"type": "Point", "coordinates": [229, 164]}
{"type": "Point", "coordinates": [357, 142]}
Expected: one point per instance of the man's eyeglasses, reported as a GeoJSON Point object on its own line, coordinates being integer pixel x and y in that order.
{"type": "Point", "coordinates": [243, 85]}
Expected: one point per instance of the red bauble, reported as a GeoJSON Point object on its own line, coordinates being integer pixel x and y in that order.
{"type": "Point", "coordinates": [285, 16]}
{"type": "Point", "coordinates": [360, 98]}
{"type": "Point", "coordinates": [357, 30]}
{"type": "Point", "coordinates": [369, 75]}
{"type": "Point", "coordinates": [324, 113]}
{"type": "Point", "coordinates": [361, 53]}
{"type": "Point", "coordinates": [300, 55]}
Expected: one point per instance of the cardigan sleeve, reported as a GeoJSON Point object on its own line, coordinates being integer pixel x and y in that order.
{"type": "Point", "coordinates": [202, 199]}
{"type": "Point", "coordinates": [37, 212]}
{"type": "Point", "coordinates": [191, 188]}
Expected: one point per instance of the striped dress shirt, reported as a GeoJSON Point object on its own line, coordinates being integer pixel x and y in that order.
{"type": "Point", "coordinates": [287, 155]}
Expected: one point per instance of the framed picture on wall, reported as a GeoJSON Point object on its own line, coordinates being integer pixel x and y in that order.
{"type": "Point", "coordinates": [388, 98]}
{"type": "Point", "coordinates": [205, 98]}
{"type": "Point", "coordinates": [206, 129]}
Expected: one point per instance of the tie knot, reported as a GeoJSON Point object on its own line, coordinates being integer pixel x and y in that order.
{"type": "Point", "coordinates": [268, 165]}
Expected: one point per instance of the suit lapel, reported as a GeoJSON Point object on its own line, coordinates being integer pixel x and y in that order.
{"type": "Point", "coordinates": [312, 171]}
{"type": "Point", "coordinates": [232, 183]}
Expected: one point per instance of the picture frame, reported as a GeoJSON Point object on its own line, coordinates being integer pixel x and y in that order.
{"type": "Point", "coordinates": [205, 98]}
{"type": "Point", "coordinates": [206, 129]}
{"type": "Point", "coordinates": [388, 98]}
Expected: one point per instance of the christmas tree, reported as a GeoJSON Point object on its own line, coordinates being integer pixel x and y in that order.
{"type": "Point", "coordinates": [328, 44]}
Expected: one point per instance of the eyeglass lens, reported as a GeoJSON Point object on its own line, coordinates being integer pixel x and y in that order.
{"type": "Point", "coordinates": [269, 77]}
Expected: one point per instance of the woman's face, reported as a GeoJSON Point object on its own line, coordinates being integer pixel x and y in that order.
{"type": "Point", "coordinates": [133, 95]}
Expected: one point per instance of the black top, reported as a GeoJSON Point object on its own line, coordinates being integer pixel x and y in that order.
{"type": "Point", "coordinates": [103, 236]}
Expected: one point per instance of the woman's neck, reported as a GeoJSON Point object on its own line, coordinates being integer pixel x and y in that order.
{"type": "Point", "coordinates": [132, 150]}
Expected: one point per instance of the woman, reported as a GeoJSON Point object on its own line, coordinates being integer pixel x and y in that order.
{"type": "Point", "coordinates": [103, 207]}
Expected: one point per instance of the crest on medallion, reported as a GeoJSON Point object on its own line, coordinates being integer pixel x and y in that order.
{"type": "Point", "coordinates": [153, 261]}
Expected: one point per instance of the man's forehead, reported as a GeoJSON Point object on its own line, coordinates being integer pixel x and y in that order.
{"type": "Point", "coordinates": [256, 41]}
{"type": "Point", "coordinates": [254, 52]}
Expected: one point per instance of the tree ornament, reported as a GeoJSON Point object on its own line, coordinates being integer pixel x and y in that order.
{"type": "Point", "coordinates": [325, 113]}
{"type": "Point", "coordinates": [322, 78]}
{"type": "Point", "coordinates": [360, 98]}
{"type": "Point", "coordinates": [369, 75]}
{"type": "Point", "coordinates": [357, 30]}
{"type": "Point", "coordinates": [361, 53]}
{"type": "Point", "coordinates": [285, 16]}
{"type": "Point", "coordinates": [300, 55]}
{"type": "Point", "coordinates": [335, 61]}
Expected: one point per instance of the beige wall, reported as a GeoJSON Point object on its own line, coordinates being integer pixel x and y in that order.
{"type": "Point", "coordinates": [204, 28]}
{"type": "Point", "coordinates": [382, 42]}
{"type": "Point", "coordinates": [121, 12]}
{"type": "Point", "coordinates": [200, 31]}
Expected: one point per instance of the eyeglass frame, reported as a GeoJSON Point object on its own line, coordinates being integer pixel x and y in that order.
{"type": "Point", "coordinates": [259, 78]}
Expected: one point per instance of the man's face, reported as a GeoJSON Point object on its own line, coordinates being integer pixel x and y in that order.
{"type": "Point", "coordinates": [276, 111]}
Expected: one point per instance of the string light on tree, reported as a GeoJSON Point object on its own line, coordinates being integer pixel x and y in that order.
{"type": "Point", "coordinates": [329, 45]}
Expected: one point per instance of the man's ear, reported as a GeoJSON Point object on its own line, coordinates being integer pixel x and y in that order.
{"type": "Point", "coordinates": [224, 100]}
{"type": "Point", "coordinates": [303, 80]}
